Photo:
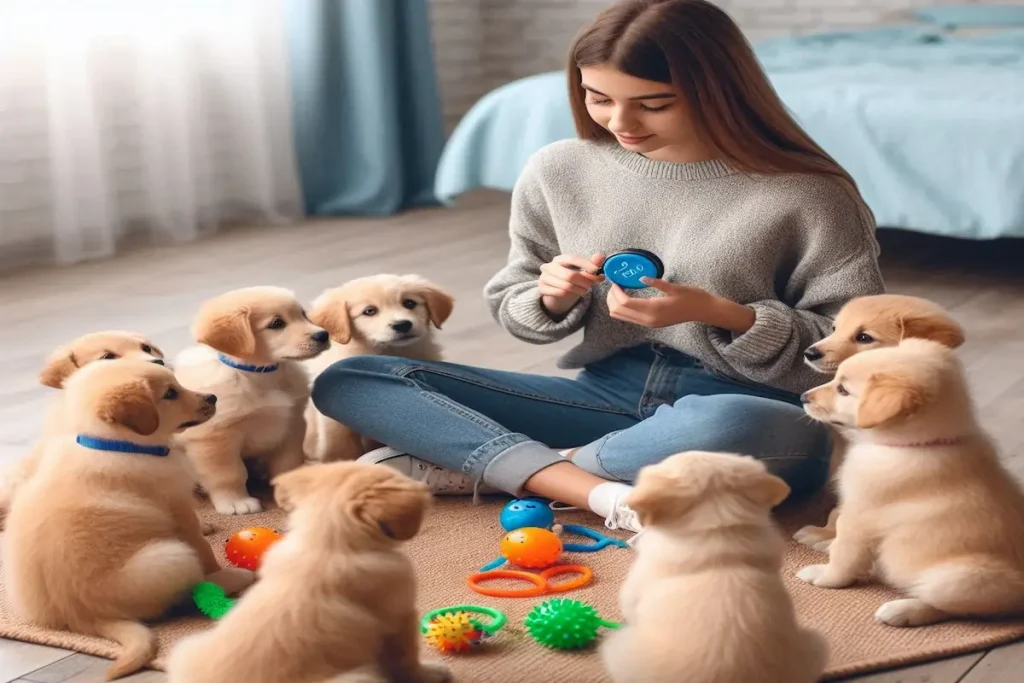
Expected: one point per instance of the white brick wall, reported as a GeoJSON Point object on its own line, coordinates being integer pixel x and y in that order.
{"type": "Point", "coordinates": [480, 44]}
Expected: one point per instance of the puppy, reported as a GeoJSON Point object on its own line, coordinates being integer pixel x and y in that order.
{"type": "Point", "coordinates": [709, 543]}
{"type": "Point", "coordinates": [865, 323]}
{"type": "Point", "coordinates": [250, 344]}
{"type": "Point", "coordinates": [104, 535]}
{"type": "Point", "coordinates": [61, 364]}
{"type": "Point", "coordinates": [336, 596]}
{"type": "Point", "coordinates": [927, 507]}
{"type": "Point", "coordinates": [390, 315]}
{"type": "Point", "coordinates": [883, 320]}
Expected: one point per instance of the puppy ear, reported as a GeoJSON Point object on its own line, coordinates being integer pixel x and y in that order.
{"type": "Point", "coordinates": [397, 509]}
{"type": "Point", "coordinates": [657, 497]}
{"type": "Point", "coordinates": [292, 487]}
{"type": "Point", "coordinates": [440, 304]}
{"type": "Point", "coordinates": [943, 330]}
{"type": "Point", "coordinates": [60, 365]}
{"type": "Point", "coordinates": [886, 398]}
{"type": "Point", "coordinates": [765, 490]}
{"type": "Point", "coordinates": [132, 407]}
{"type": "Point", "coordinates": [229, 333]}
{"type": "Point", "coordinates": [331, 314]}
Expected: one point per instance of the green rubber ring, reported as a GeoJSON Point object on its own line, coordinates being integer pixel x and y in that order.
{"type": "Point", "coordinates": [498, 619]}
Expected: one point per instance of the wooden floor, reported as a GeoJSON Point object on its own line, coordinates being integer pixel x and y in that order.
{"type": "Point", "coordinates": [157, 291]}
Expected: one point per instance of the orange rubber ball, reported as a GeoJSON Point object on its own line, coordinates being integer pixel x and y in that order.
{"type": "Point", "coordinates": [246, 548]}
{"type": "Point", "coordinates": [531, 547]}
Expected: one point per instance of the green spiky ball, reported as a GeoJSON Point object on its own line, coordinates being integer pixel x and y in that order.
{"type": "Point", "coordinates": [563, 624]}
{"type": "Point", "coordinates": [211, 600]}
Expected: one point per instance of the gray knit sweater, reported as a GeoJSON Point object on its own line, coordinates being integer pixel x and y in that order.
{"type": "Point", "coordinates": [793, 247]}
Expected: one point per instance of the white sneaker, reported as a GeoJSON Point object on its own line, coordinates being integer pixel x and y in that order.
{"type": "Point", "coordinates": [442, 482]}
{"type": "Point", "coordinates": [607, 500]}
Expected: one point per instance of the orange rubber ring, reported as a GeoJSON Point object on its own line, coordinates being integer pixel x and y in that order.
{"type": "Point", "coordinates": [540, 582]}
{"type": "Point", "coordinates": [585, 576]}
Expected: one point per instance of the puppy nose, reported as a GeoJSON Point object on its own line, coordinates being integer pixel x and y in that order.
{"type": "Point", "coordinates": [211, 399]}
{"type": "Point", "coordinates": [813, 354]}
{"type": "Point", "coordinates": [401, 326]}
{"type": "Point", "coordinates": [157, 361]}
{"type": "Point", "coordinates": [805, 397]}
{"type": "Point", "coordinates": [321, 336]}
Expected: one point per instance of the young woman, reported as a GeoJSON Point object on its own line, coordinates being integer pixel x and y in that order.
{"type": "Point", "coordinates": [685, 150]}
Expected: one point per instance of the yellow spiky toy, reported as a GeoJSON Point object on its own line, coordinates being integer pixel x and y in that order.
{"type": "Point", "coordinates": [453, 632]}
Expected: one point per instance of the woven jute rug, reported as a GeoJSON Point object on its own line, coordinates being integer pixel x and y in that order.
{"type": "Point", "coordinates": [459, 538]}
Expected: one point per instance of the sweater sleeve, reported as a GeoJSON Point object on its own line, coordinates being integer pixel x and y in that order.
{"type": "Point", "coordinates": [513, 294]}
{"type": "Point", "coordinates": [837, 261]}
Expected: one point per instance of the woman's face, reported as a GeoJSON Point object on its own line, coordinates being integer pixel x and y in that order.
{"type": "Point", "coordinates": [646, 117]}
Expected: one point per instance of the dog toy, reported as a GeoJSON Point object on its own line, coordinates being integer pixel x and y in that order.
{"type": "Point", "coordinates": [541, 585]}
{"type": "Point", "coordinates": [533, 513]}
{"type": "Point", "coordinates": [211, 599]}
{"type": "Point", "coordinates": [246, 548]}
{"type": "Point", "coordinates": [565, 624]}
{"type": "Point", "coordinates": [523, 512]}
{"type": "Point", "coordinates": [451, 629]}
{"type": "Point", "coordinates": [531, 547]}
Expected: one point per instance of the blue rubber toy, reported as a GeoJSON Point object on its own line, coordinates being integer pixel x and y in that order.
{"type": "Point", "coordinates": [526, 512]}
{"type": "Point", "coordinates": [625, 268]}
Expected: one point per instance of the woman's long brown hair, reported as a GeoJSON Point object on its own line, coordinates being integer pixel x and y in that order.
{"type": "Point", "coordinates": [697, 47]}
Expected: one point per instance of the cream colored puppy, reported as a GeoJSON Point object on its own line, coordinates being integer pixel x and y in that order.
{"type": "Point", "coordinates": [337, 596]}
{"type": "Point", "coordinates": [865, 323]}
{"type": "Point", "coordinates": [704, 601]}
{"type": "Point", "coordinates": [104, 535]}
{"type": "Point", "coordinates": [250, 344]}
{"type": "Point", "coordinates": [61, 364]}
{"type": "Point", "coordinates": [927, 507]}
{"type": "Point", "coordinates": [392, 315]}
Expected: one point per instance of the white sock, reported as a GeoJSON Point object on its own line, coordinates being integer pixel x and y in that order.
{"type": "Point", "coordinates": [603, 497]}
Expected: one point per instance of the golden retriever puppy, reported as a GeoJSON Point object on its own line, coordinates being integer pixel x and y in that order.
{"type": "Point", "coordinates": [336, 596]}
{"type": "Point", "coordinates": [927, 507]}
{"type": "Point", "coordinates": [104, 535]}
{"type": "Point", "coordinates": [882, 320]}
{"type": "Point", "coordinates": [387, 315]}
{"type": "Point", "coordinates": [250, 343]}
{"type": "Point", "coordinates": [61, 364]}
{"type": "Point", "coordinates": [704, 601]}
{"type": "Point", "coordinates": [865, 323]}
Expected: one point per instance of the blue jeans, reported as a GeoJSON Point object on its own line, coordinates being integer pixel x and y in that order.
{"type": "Point", "coordinates": [633, 409]}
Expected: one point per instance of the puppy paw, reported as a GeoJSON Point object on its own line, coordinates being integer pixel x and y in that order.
{"type": "Point", "coordinates": [908, 612]}
{"type": "Point", "coordinates": [242, 506]}
{"type": "Point", "coordinates": [820, 576]}
{"type": "Point", "coordinates": [823, 546]}
{"type": "Point", "coordinates": [434, 672]}
{"type": "Point", "coordinates": [232, 580]}
{"type": "Point", "coordinates": [813, 536]}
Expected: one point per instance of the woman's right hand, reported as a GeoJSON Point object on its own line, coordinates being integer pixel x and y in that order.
{"type": "Point", "coordinates": [566, 279]}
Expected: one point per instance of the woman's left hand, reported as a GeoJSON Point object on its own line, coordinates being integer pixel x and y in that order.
{"type": "Point", "coordinates": [680, 304]}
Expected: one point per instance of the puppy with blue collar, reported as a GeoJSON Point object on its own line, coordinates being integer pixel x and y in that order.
{"type": "Point", "coordinates": [251, 344]}
{"type": "Point", "coordinates": [104, 535]}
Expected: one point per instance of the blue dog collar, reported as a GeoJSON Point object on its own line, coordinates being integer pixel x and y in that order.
{"type": "Point", "coordinates": [120, 446]}
{"type": "Point", "coordinates": [245, 368]}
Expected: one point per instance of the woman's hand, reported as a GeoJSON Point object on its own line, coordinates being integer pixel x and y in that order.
{"type": "Point", "coordinates": [680, 304]}
{"type": "Point", "coordinates": [566, 279]}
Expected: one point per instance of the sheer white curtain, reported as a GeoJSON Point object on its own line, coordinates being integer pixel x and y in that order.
{"type": "Point", "coordinates": [159, 120]}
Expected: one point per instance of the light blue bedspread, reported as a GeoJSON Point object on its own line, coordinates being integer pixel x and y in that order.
{"type": "Point", "coordinates": [930, 126]}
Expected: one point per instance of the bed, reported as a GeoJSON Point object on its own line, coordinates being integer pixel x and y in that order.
{"type": "Point", "coordinates": [928, 120]}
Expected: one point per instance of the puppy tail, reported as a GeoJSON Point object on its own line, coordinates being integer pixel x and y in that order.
{"type": "Point", "coordinates": [137, 641]}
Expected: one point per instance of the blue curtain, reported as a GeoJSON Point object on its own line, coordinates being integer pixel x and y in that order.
{"type": "Point", "coordinates": [368, 124]}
